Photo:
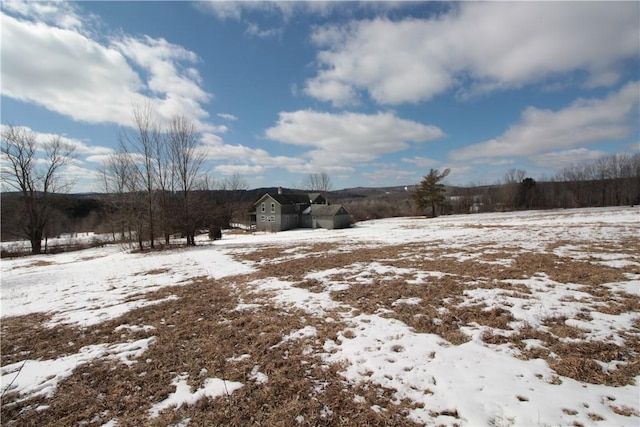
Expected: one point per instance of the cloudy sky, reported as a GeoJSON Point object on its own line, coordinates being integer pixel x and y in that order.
{"type": "Point", "coordinates": [374, 94]}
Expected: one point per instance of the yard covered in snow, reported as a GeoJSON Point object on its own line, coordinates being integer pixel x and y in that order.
{"type": "Point", "coordinates": [525, 318]}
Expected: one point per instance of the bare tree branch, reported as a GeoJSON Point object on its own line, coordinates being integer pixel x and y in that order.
{"type": "Point", "coordinates": [35, 176]}
{"type": "Point", "coordinates": [187, 158]}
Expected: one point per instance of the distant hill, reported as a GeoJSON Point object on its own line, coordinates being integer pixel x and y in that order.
{"type": "Point", "coordinates": [371, 192]}
{"type": "Point", "coordinates": [334, 195]}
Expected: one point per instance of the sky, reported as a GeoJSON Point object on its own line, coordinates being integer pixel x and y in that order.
{"type": "Point", "coordinates": [372, 93]}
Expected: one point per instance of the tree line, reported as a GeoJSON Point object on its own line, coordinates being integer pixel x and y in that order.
{"type": "Point", "coordinates": [154, 184]}
{"type": "Point", "coordinates": [612, 180]}
{"type": "Point", "coordinates": [157, 184]}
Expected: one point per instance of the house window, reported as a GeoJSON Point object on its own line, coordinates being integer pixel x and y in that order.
{"type": "Point", "coordinates": [262, 207]}
{"type": "Point", "coordinates": [273, 207]}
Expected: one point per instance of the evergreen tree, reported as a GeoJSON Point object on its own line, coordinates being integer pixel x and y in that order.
{"type": "Point", "coordinates": [526, 193]}
{"type": "Point", "coordinates": [431, 192]}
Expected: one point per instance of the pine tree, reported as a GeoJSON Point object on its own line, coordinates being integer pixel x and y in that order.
{"type": "Point", "coordinates": [431, 192]}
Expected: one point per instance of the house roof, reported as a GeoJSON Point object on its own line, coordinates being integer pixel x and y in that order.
{"type": "Point", "coordinates": [297, 198]}
{"type": "Point", "coordinates": [327, 210]}
{"type": "Point", "coordinates": [314, 197]}
{"type": "Point", "coordinates": [287, 199]}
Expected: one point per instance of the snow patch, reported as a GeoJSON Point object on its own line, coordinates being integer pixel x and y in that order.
{"type": "Point", "coordinates": [213, 387]}
{"type": "Point", "coordinates": [31, 378]}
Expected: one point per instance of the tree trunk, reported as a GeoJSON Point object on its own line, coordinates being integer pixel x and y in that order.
{"type": "Point", "coordinates": [151, 225]}
{"type": "Point", "coordinates": [36, 246]}
{"type": "Point", "coordinates": [140, 242]}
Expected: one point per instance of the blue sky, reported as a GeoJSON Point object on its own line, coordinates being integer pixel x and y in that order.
{"type": "Point", "coordinates": [374, 94]}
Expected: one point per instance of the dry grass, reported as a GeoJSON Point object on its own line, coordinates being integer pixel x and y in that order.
{"type": "Point", "coordinates": [39, 263]}
{"type": "Point", "coordinates": [203, 335]}
{"type": "Point", "coordinates": [26, 337]}
{"type": "Point", "coordinates": [439, 311]}
{"type": "Point", "coordinates": [154, 272]}
{"type": "Point", "coordinates": [557, 326]}
{"type": "Point", "coordinates": [625, 411]}
{"type": "Point", "coordinates": [576, 359]}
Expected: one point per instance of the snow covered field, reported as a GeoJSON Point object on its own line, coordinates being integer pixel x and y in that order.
{"type": "Point", "coordinates": [527, 318]}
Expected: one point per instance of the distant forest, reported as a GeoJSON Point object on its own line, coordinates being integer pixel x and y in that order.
{"type": "Point", "coordinates": [609, 181]}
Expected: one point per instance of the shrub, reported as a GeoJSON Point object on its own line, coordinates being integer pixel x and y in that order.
{"type": "Point", "coordinates": [215, 233]}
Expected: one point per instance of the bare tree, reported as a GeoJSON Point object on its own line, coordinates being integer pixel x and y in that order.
{"type": "Point", "coordinates": [317, 182]}
{"type": "Point", "coordinates": [610, 180]}
{"type": "Point", "coordinates": [187, 158]}
{"type": "Point", "coordinates": [165, 179]}
{"type": "Point", "coordinates": [630, 176]}
{"type": "Point", "coordinates": [509, 189]}
{"type": "Point", "coordinates": [232, 188]}
{"type": "Point", "coordinates": [35, 176]}
{"type": "Point", "coordinates": [143, 140]}
{"type": "Point", "coordinates": [124, 184]}
{"type": "Point", "coordinates": [235, 182]}
{"type": "Point", "coordinates": [320, 182]}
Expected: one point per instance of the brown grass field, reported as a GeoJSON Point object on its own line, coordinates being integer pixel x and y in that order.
{"type": "Point", "coordinates": [204, 334]}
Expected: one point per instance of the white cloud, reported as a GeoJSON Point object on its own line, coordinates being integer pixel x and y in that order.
{"type": "Point", "coordinates": [254, 30]}
{"type": "Point", "coordinates": [634, 147]}
{"type": "Point", "coordinates": [61, 14]}
{"type": "Point", "coordinates": [107, 156]}
{"type": "Point", "coordinates": [339, 139]}
{"type": "Point", "coordinates": [80, 148]}
{"type": "Point", "coordinates": [174, 84]}
{"type": "Point", "coordinates": [234, 152]}
{"type": "Point", "coordinates": [81, 179]}
{"type": "Point", "coordinates": [243, 156]}
{"type": "Point", "coordinates": [218, 129]}
{"type": "Point", "coordinates": [236, 10]}
{"type": "Point", "coordinates": [558, 160]}
{"type": "Point", "coordinates": [240, 169]}
{"type": "Point", "coordinates": [227, 116]}
{"type": "Point", "coordinates": [475, 47]}
{"type": "Point", "coordinates": [389, 174]}
{"type": "Point", "coordinates": [328, 90]}
{"type": "Point", "coordinates": [585, 121]}
{"type": "Point", "coordinates": [304, 168]}
{"type": "Point", "coordinates": [77, 76]}
{"type": "Point", "coordinates": [72, 75]}
{"type": "Point", "coordinates": [422, 162]}
{"type": "Point", "coordinates": [221, 9]}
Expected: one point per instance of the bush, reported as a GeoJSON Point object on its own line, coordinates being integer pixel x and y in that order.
{"type": "Point", "coordinates": [215, 233]}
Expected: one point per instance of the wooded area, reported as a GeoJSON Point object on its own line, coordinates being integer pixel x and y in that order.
{"type": "Point", "coordinates": [609, 181]}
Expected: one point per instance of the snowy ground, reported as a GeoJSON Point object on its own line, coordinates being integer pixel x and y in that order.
{"type": "Point", "coordinates": [490, 376]}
